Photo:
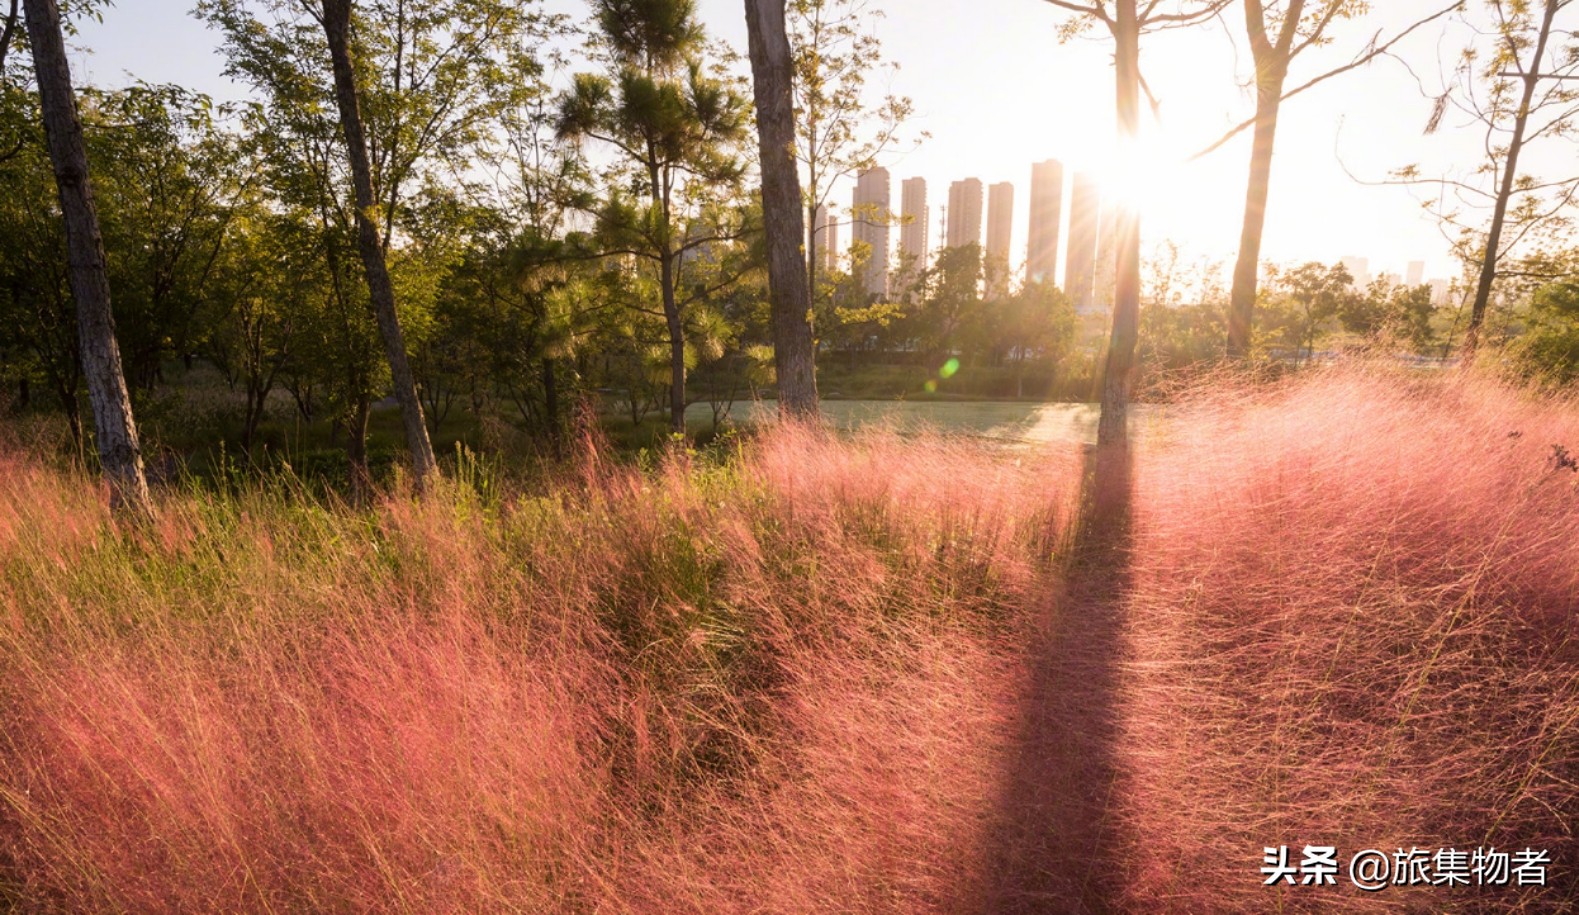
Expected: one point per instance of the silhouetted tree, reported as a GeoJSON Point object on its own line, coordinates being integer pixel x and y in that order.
{"type": "Point", "coordinates": [1126, 21]}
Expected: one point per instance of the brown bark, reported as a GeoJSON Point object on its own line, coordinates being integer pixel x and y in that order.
{"type": "Point", "coordinates": [119, 451]}
{"type": "Point", "coordinates": [790, 294]}
{"type": "Point", "coordinates": [337, 27]}
{"type": "Point", "coordinates": [1112, 425]}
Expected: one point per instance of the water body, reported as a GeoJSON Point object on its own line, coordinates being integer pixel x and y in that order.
{"type": "Point", "coordinates": [1010, 423]}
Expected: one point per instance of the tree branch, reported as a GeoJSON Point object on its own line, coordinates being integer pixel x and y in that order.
{"type": "Point", "coordinates": [1374, 52]}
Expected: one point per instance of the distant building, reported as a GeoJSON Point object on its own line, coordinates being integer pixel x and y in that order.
{"type": "Point", "coordinates": [1360, 269]}
{"type": "Point", "coordinates": [1047, 199]}
{"type": "Point", "coordinates": [964, 213]}
{"type": "Point", "coordinates": [914, 234]}
{"type": "Point", "coordinates": [1440, 290]}
{"type": "Point", "coordinates": [827, 237]}
{"type": "Point", "coordinates": [1000, 234]}
{"type": "Point", "coordinates": [1416, 273]}
{"type": "Point", "coordinates": [869, 224]}
{"type": "Point", "coordinates": [1103, 283]}
{"type": "Point", "coordinates": [1080, 260]}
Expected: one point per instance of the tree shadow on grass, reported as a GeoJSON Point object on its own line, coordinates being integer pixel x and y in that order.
{"type": "Point", "coordinates": [1053, 847]}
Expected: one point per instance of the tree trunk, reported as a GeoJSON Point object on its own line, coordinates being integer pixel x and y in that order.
{"type": "Point", "coordinates": [813, 246]}
{"type": "Point", "coordinates": [551, 405]}
{"type": "Point", "coordinates": [119, 451]}
{"type": "Point", "coordinates": [772, 71]}
{"type": "Point", "coordinates": [671, 313]}
{"type": "Point", "coordinates": [1242, 299]}
{"type": "Point", "coordinates": [1510, 172]}
{"type": "Point", "coordinates": [361, 478]}
{"type": "Point", "coordinates": [337, 27]}
{"type": "Point", "coordinates": [1112, 425]}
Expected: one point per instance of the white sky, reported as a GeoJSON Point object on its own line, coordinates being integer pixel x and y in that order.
{"type": "Point", "coordinates": [997, 92]}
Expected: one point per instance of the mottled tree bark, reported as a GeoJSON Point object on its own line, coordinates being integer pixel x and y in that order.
{"type": "Point", "coordinates": [772, 72]}
{"type": "Point", "coordinates": [119, 451]}
{"type": "Point", "coordinates": [337, 28]}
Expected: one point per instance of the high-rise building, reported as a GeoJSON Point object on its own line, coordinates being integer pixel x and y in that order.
{"type": "Point", "coordinates": [1103, 285]}
{"type": "Point", "coordinates": [869, 220]}
{"type": "Point", "coordinates": [1416, 273]}
{"type": "Point", "coordinates": [913, 235]}
{"type": "Point", "coordinates": [964, 213]}
{"type": "Point", "coordinates": [1000, 234]}
{"type": "Point", "coordinates": [1080, 261]}
{"type": "Point", "coordinates": [1047, 204]}
{"type": "Point", "coordinates": [1440, 290]}
{"type": "Point", "coordinates": [827, 238]}
{"type": "Point", "coordinates": [1360, 269]}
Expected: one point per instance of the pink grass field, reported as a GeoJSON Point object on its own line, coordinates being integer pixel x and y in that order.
{"type": "Point", "coordinates": [870, 674]}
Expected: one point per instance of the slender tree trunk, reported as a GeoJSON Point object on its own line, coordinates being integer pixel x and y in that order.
{"type": "Point", "coordinates": [671, 314]}
{"type": "Point", "coordinates": [1510, 173]}
{"type": "Point", "coordinates": [119, 451]}
{"type": "Point", "coordinates": [337, 27]}
{"type": "Point", "coordinates": [813, 246]}
{"type": "Point", "coordinates": [551, 405]}
{"type": "Point", "coordinates": [772, 70]}
{"type": "Point", "coordinates": [1112, 425]}
{"type": "Point", "coordinates": [361, 478]}
{"type": "Point", "coordinates": [1242, 298]}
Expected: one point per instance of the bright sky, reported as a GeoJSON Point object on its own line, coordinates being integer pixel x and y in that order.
{"type": "Point", "coordinates": [997, 92]}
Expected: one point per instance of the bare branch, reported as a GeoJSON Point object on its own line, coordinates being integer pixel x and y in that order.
{"type": "Point", "coordinates": [1373, 51]}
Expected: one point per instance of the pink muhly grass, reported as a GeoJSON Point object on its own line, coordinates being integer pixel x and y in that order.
{"type": "Point", "coordinates": [1351, 624]}
{"type": "Point", "coordinates": [576, 700]}
{"type": "Point", "coordinates": [829, 674]}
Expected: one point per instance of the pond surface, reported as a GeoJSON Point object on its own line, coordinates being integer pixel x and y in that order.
{"type": "Point", "coordinates": [1011, 423]}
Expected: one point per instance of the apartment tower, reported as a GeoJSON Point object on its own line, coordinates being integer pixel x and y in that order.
{"type": "Point", "coordinates": [964, 213]}
{"type": "Point", "coordinates": [1080, 260]}
{"type": "Point", "coordinates": [913, 235]}
{"type": "Point", "coordinates": [869, 220]}
{"type": "Point", "coordinates": [1047, 208]}
{"type": "Point", "coordinates": [1000, 234]}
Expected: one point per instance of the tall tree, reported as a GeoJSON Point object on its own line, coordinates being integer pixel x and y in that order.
{"type": "Point", "coordinates": [337, 29]}
{"type": "Point", "coordinates": [675, 129]}
{"type": "Point", "coordinates": [1126, 21]}
{"type": "Point", "coordinates": [772, 69]}
{"type": "Point", "coordinates": [1516, 80]}
{"type": "Point", "coordinates": [839, 132]}
{"type": "Point", "coordinates": [120, 454]}
{"type": "Point", "coordinates": [1278, 33]}
{"type": "Point", "coordinates": [1520, 30]}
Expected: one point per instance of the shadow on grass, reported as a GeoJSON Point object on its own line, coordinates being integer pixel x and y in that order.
{"type": "Point", "coordinates": [1056, 836]}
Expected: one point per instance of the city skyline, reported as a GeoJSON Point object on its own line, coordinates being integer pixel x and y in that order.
{"type": "Point", "coordinates": [973, 215]}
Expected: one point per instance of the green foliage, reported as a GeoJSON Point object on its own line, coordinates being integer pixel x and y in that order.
{"type": "Point", "coordinates": [1549, 348]}
{"type": "Point", "coordinates": [840, 130]}
{"type": "Point", "coordinates": [1300, 304]}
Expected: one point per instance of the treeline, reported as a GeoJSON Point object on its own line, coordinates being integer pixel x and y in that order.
{"type": "Point", "coordinates": [554, 227]}
{"type": "Point", "coordinates": [498, 214]}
